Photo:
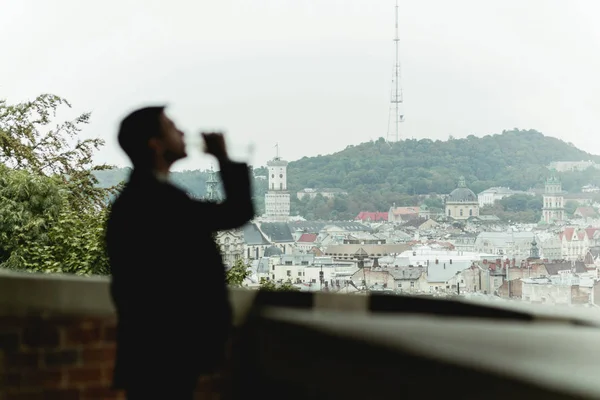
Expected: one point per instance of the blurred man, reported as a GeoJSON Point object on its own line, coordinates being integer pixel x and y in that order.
{"type": "Point", "coordinates": [168, 279]}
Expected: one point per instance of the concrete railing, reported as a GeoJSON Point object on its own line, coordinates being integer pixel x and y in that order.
{"type": "Point", "coordinates": [57, 340]}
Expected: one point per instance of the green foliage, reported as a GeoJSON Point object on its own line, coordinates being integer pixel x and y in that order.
{"type": "Point", "coordinates": [377, 174]}
{"type": "Point", "coordinates": [193, 182]}
{"type": "Point", "coordinates": [52, 212]}
{"type": "Point", "coordinates": [519, 207]}
{"type": "Point", "coordinates": [236, 275]}
{"type": "Point", "coordinates": [570, 207]}
{"type": "Point", "coordinates": [271, 286]}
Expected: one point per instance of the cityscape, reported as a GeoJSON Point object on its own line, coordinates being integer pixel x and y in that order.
{"type": "Point", "coordinates": [421, 250]}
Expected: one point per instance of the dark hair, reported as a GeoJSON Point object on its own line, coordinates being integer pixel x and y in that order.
{"type": "Point", "coordinates": [136, 130]}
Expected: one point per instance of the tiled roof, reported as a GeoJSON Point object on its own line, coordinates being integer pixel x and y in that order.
{"type": "Point", "coordinates": [277, 231]}
{"type": "Point", "coordinates": [315, 227]}
{"type": "Point", "coordinates": [405, 210]}
{"type": "Point", "coordinates": [372, 216]}
{"type": "Point", "coordinates": [253, 236]}
{"type": "Point", "coordinates": [308, 238]}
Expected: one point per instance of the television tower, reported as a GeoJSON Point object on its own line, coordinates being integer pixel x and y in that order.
{"type": "Point", "coordinates": [393, 133]}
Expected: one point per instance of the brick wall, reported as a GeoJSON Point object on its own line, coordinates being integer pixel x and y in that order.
{"type": "Point", "coordinates": [66, 358]}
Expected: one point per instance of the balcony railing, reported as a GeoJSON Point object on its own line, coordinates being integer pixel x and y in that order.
{"type": "Point", "coordinates": [57, 341]}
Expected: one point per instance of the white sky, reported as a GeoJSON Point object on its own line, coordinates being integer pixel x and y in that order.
{"type": "Point", "coordinates": [313, 75]}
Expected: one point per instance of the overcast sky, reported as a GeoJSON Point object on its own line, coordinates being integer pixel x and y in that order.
{"type": "Point", "coordinates": [312, 75]}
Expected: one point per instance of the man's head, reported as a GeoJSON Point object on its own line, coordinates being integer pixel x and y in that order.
{"type": "Point", "coordinates": [151, 139]}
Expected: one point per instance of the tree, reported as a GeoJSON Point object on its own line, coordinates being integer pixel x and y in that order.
{"type": "Point", "coordinates": [30, 141]}
{"type": "Point", "coordinates": [236, 275]}
{"type": "Point", "coordinates": [52, 210]}
{"type": "Point", "coordinates": [270, 286]}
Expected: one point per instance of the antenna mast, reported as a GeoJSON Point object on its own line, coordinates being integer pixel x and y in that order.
{"type": "Point", "coordinates": [396, 98]}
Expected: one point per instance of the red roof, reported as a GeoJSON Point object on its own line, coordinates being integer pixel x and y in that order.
{"type": "Point", "coordinates": [308, 238]}
{"type": "Point", "coordinates": [372, 216]}
{"type": "Point", "coordinates": [569, 232]}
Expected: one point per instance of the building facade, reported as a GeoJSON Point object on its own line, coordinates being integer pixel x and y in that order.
{"type": "Point", "coordinates": [461, 203]}
{"type": "Point", "coordinates": [553, 209]}
{"type": "Point", "coordinates": [277, 199]}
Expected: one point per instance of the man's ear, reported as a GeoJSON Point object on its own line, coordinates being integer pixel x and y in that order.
{"type": "Point", "coordinates": [155, 145]}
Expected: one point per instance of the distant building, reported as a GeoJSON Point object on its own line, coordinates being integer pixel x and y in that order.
{"type": "Point", "coordinates": [553, 209]}
{"type": "Point", "coordinates": [489, 196]}
{"type": "Point", "coordinates": [461, 203]}
{"type": "Point", "coordinates": [563, 166]}
{"type": "Point", "coordinates": [277, 199]}
{"type": "Point", "coordinates": [325, 192]}
{"type": "Point", "coordinates": [367, 216]}
{"type": "Point", "coordinates": [402, 214]}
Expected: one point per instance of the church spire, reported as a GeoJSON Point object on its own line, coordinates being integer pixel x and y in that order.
{"type": "Point", "coordinates": [212, 191]}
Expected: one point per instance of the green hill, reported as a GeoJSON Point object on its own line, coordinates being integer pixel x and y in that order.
{"type": "Point", "coordinates": [376, 174]}
{"type": "Point", "coordinates": [516, 159]}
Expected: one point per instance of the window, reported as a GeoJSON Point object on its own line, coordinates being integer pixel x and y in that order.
{"type": "Point", "coordinates": [412, 284]}
{"type": "Point", "coordinates": [304, 263]}
{"type": "Point", "coordinates": [470, 212]}
{"type": "Point", "coordinates": [299, 273]}
{"type": "Point", "coordinates": [289, 272]}
{"type": "Point", "coordinates": [288, 263]}
{"type": "Point", "coordinates": [461, 212]}
{"type": "Point", "coordinates": [449, 212]}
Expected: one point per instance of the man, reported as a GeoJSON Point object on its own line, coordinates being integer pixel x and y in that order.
{"type": "Point", "coordinates": [168, 280]}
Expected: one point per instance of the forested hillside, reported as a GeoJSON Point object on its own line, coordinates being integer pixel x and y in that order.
{"type": "Point", "coordinates": [376, 174]}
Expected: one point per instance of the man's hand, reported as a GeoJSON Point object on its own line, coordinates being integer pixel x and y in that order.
{"type": "Point", "coordinates": [215, 145]}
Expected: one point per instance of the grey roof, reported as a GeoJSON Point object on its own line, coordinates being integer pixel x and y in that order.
{"type": "Point", "coordinates": [461, 195]}
{"type": "Point", "coordinates": [278, 232]}
{"type": "Point", "coordinates": [442, 272]}
{"type": "Point", "coordinates": [316, 227]}
{"type": "Point", "coordinates": [406, 273]}
{"type": "Point", "coordinates": [374, 250]}
{"type": "Point", "coordinates": [553, 268]}
{"type": "Point", "coordinates": [263, 266]}
{"type": "Point", "coordinates": [273, 251]}
{"type": "Point", "coordinates": [253, 236]}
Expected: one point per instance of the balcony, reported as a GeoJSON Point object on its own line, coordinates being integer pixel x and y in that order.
{"type": "Point", "coordinates": [57, 341]}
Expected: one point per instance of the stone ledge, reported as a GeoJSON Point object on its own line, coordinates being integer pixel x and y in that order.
{"type": "Point", "coordinates": [416, 356]}
{"type": "Point", "coordinates": [69, 294]}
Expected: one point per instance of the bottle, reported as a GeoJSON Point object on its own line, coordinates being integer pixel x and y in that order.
{"type": "Point", "coordinates": [237, 152]}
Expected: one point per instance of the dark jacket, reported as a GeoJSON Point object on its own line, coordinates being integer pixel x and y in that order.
{"type": "Point", "coordinates": [168, 280]}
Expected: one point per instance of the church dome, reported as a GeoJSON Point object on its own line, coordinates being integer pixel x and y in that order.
{"type": "Point", "coordinates": [273, 251]}
{"type": "Point", "coordinates": [462, 194]}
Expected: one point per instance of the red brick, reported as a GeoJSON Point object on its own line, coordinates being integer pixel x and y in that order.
{"type": "Point", "coordinates": [85, 375]}
{"type": "Point", "coordinates": [42, 379]}
{"type": "Point", "coordinates": [22, 360]}
{"type": "Point", "coordinates": [11, 322]}
{"type": "Point", "coordinates": [61, 358]}
{"type": "Point", "coordinates": [10, 380]}
{"type": "Point", "coordinates": [98, 356]}
{"type": "Point", "coordinates": [83, 334]}
{"type": "Point", "coordinates": [109, 333]}
{"type": "Point", "coordinates": [31, 395]}
{"type": "Point", "coordinates": [101, 393]}
{"type": "Point", "coordinates": [107, 374]}
{"type": "Point", "coordinates": [9, 341]}
{"type": "Point", "coordinates": [62, 394]}
{"type": "Point", "coordinates": [41, 336]}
